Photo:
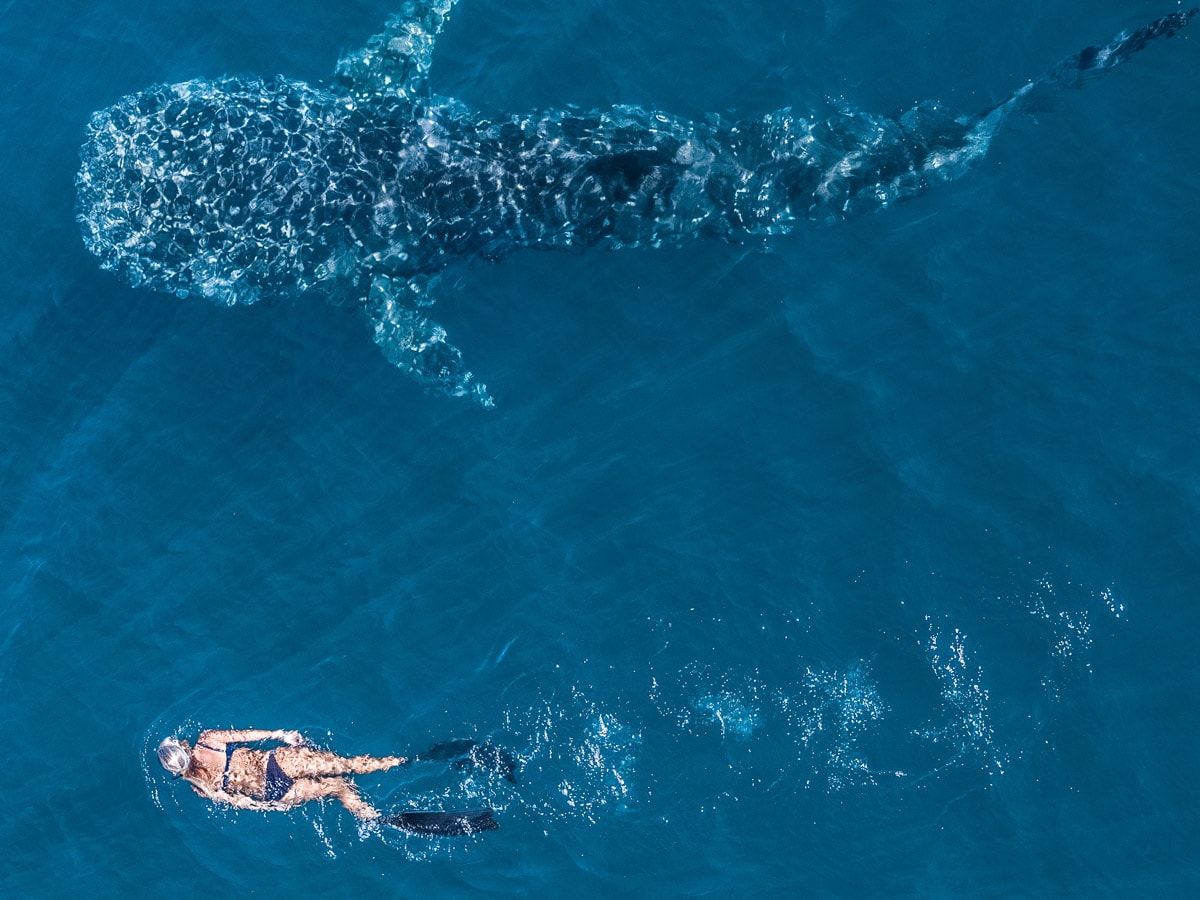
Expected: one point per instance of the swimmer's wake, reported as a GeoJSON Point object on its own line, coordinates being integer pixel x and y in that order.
{"type": "Point", "coordinates": [365, 189]}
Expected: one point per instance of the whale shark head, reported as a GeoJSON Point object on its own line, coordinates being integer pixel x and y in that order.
{"type": "Point", "coordinates": [237, 189]}
{"type": "Point", "coordinates": [230, 189]}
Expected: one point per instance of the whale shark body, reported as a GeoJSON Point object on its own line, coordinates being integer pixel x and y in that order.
{"type": "Point", "coordinates": [364, 189]}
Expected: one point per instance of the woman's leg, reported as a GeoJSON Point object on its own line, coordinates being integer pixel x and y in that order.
{"type": "Point", "coordinates": [307, 762]}
{"type": "Point", "coordinates": [341, 789]}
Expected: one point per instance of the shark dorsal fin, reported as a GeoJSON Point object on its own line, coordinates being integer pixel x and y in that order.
{"type": "Point", "coordinates": [395, 62]}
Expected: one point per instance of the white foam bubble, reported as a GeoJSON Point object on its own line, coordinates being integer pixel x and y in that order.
{"type": "Point", "coordinates": [964, 730]}
{"type": "Point", "coordinates": [824, 716]}
{"type": "Point", "coordinates": [589, 753]}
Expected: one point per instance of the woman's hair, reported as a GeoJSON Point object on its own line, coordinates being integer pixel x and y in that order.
{"type": "Point", "coordinates": [174, 756]}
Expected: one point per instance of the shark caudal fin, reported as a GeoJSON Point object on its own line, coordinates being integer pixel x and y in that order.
{"type": "Point", "coordinates": [1071, 71]}
{"type": "Point", "coordinates": [892, 158]}
{"type": "Point", "coordinates": [1076, 70]}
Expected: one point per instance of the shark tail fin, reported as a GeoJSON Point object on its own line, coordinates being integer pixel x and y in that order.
{"type": "Point", "coordinates": [1072, 70]}
{"type": "Point", "coordinates": [926, 144]}
{"type": "Point", "coordinates": [1079, 68]}
{"type": "Point", "coordinates": [947, 159]}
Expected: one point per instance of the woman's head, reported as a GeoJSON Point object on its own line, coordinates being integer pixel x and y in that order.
{"type": "Point", "coordinates": [174, 756]}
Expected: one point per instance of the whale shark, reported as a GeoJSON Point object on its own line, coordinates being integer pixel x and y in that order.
{"type": "Point", "coordinates": [363, 189]}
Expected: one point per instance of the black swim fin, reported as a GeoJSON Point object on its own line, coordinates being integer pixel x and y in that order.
{"type": "Point", "coordinates": [464, 753]}
{"type": "Point", "coordinates": [448, 750]}
{"type": "Point", "coordinates": [470, 821]}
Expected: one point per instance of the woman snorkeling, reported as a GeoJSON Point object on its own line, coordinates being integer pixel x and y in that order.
{"type": "Point", "coordinates": [222, 767]}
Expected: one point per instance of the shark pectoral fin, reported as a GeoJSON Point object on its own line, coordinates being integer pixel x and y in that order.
{"type": "Point", "coordinates": [395, 62]}
{"type": "Point", "coordinates": [417, 344]}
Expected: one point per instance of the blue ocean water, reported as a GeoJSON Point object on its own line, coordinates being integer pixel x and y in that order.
{"type": "Point", "coordinates": [862, 562]}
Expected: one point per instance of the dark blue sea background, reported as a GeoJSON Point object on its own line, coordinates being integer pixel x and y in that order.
{"type": "Point", "coordinates": [860, 562]}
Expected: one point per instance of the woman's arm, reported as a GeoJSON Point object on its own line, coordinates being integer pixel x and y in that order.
{"type": "Point", "coordinates": [248, 735]}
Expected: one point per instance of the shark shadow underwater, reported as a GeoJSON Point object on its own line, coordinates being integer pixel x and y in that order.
{"type": "Point", "coordinates": [363, 190]}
